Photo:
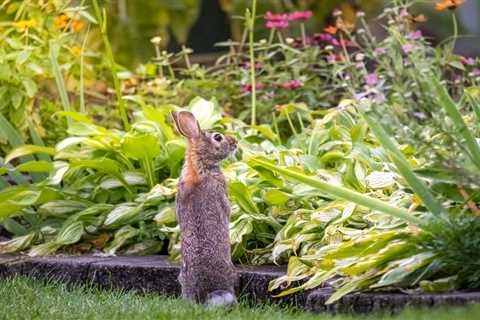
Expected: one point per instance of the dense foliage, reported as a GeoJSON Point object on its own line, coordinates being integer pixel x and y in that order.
{"type": "Point", "coordinates": [357, 161]}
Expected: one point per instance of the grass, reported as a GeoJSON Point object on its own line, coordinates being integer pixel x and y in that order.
{"type": "Point", "coordinates": [24, 298]}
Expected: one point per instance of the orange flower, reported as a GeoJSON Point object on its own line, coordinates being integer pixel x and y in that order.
{"type": "Point", "coordinates": [420, 18]}
{"type": "Point", "coordinates": [61, 21]}
{"type": "Point", "coordinates": [77, 26]}
{"type": "Point", "coordinates": [448, 4]}
{"type": "Point", "coordinates": [77, 51]}
{"type": "Point", "coordinates": [330, 29]}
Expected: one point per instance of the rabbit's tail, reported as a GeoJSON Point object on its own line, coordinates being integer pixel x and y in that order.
{"type": "Point", "coordinates": [219, 298]}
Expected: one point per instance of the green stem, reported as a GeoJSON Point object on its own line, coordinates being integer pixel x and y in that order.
{"type": "Point", "coordinates": [343, 193]}
{"type": "Point", "coordinates": [451, 109]}
{"type": "Point", "coordinates": [251, 33]}
{"type": "Point", "coordinates": [275, 126]}
{"type": "Point", "coordinates": [292, 127]}
{"type": "Point", "coordinates": [417, 185]}
{"type": "Point", "coordinates": [116, 82]}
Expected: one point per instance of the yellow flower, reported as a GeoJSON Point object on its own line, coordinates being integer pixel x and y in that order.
{"type": "Point", "coordinates": [77, 26]}
{"type": "Point", "coordinates": [25, 24]}
{"type": "Point", "coordinates": [77, 51]}
{"type": "Point", "coordinates": [61, 21]}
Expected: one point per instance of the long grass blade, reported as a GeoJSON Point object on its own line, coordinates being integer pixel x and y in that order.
{"type": "Point", "coordinates": [417, 185]}
{"type": "Point", "coordinates": [450, 107]}
{"type": "Point", "coordinates": [62, 91]}
{"type": "Point", "coordinates": [341, 192]}
{"type": "Point", "coordinates": [101, 18]}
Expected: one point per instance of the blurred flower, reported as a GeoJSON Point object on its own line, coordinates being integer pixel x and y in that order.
{"type": "Point", "coordinates": [448, 4]}
{"type": "Point", "coordinates": [371, 79]}
{"type": "Point", "coordinates": [420, 18]}
{"type": "Point", "coordinates": [61, 21]}
{"type": "Point", "coordinates": [247, 65]}
{"type": "Point", "coordinates": [374, 91]}
{"type": "Point", "coordinates": [403, 12]}
{"type": "Point", "coordinates": [23, 25]}
{"type": "Point", "coordinates": [407, 48]}
{"type": "Point", "coordinates": [332, 57]}
{"type": "Point", "coordinates": [379, 51]}
{"type": "Point", "coordinates": [275, 17]}
{"type": "Point", "coordinates": [331, 29]}
{"type": "Point", "coordinates": [469, 61]}
{"type": "Point", "coordinates": [300, 15]}
{"type": "Point", "coordinates": [246, 88]}
{"type": "Point", "coordinates": [360, 14]}
{"type": "Point", "coordinates": [337, 13]}
{"type": "Point", "coordinates": [292, 84]}
{"type": "Point", "coordinates": [476, 72]}
{"type": "Point", "coordinates": [156, 40]}
{"type": "Point", "coordinates": [415, 35]}
{"type": "Point", "coordinates": [77, 51]}
{"type": "Point", "coordinates": [276, 24]}
{"type": "Point", "coordinates": [359, 57]}
{"type": "Point", "coordinates": [77, 26]}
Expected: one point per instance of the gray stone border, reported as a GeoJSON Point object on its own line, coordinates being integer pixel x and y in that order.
{"type": "Point", "coordinates": [155, 274]}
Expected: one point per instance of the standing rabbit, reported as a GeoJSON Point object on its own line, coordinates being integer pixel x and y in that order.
{"type": "Point", "coordinates": [203, 212]}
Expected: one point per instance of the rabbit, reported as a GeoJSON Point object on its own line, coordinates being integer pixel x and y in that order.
{"type": "Point", "coordinates": [207, 274]}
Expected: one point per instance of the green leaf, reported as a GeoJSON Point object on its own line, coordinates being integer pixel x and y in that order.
{"type": "Point", "coordinates": [35, 166]}
{"type": "Point", "coordinates": [121, 214]}
{"type": "Point", "coordinates": [239, 228]}
{"type": "Point", "coordinates": [28, 150]}
{"type": "Point", "coordinates": [339, 192]}
{"type": "Point", "coordinates": [30, 87]}
{"type": "Point", "coordinates": [417, 185]}
{"type": "Point", "coordinates": [242, 195]}
{"type": "Point", "coordinates": [276, 197]}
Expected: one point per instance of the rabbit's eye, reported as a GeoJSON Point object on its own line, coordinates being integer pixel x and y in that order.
{"type": "Point", "coordinates": [217, 136]}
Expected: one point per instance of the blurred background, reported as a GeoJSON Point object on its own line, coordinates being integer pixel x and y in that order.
{"type": "Point", "coordinates": [200, 24]}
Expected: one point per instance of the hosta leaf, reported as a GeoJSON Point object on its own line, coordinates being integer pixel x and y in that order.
{"type": "Point", "coordinates": [405, 268]}
{"type": "Point", "coordinates": [165, 216]}
{"type": "Point", "coordinates": [381, 180]}
{"type": "Point", "coordinates": [35, 166]}
{"type": "Point", "coordinates": [61, 207]}
{"type": "Point", "coordinates": [240, 228]}
{"type": "Point", "coordinates": [17, 243]}
{"type": "Point", "coordinates": [242, 195]}
{"type": "Point", "coordinates": [28, 150]}
{"type": "Point", "coordinates": [70, 234]}
{"type": "Point", "coordinates": [121, 214]}
{"type": "Point", "coordinates": [122, 236]}
{"type": "Point", "coordinates": [276, 197]}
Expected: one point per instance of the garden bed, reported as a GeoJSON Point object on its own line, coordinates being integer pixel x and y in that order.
{"type": "Point", "coordinates": [155, 274]}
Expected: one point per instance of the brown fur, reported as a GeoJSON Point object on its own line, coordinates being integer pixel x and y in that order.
{"type": "Point", "coordinates": [203, 212]}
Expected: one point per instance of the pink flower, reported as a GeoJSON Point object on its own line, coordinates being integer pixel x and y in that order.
{"type": "Point", "coordinates": [371, 79]}
{"type": "Point", "coordinates": [379, 51]}
{"type": "Point", "coordinates": [292, 84]}
{"type": "Point", "coordinates": [403, 12]}
{"type": "Point", "coordinates": [469, 61]}
{"type": "Point", "coordinates": [276, 24]}
{"type": "Point", "coordinates": [476, 72]}
{"type": "Point", "coordinates": [275, 17]}
{"type": "Point", "coordinates": [407, 48]}
{"type": "Point", "coordinates": [246, 88]}
{"type": "Point", "coordinates": [415, 35]}
{"type": "Point", "coordinates": [300, 15]}
{"type": "Point", "coordinates": [258, 65]}
{"type": "Point", "coordinates": [332, 57]}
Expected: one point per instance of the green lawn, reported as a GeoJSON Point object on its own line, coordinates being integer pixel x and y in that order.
{"type": "Point", "coordinates": [26, 299]}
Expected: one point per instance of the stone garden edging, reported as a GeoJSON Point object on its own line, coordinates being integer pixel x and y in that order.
{"type": "Point", "coordinates": [155, 274]}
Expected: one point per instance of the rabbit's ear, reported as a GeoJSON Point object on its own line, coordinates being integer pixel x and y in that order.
{"type": "Point", "coordinates": [186, 124]}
